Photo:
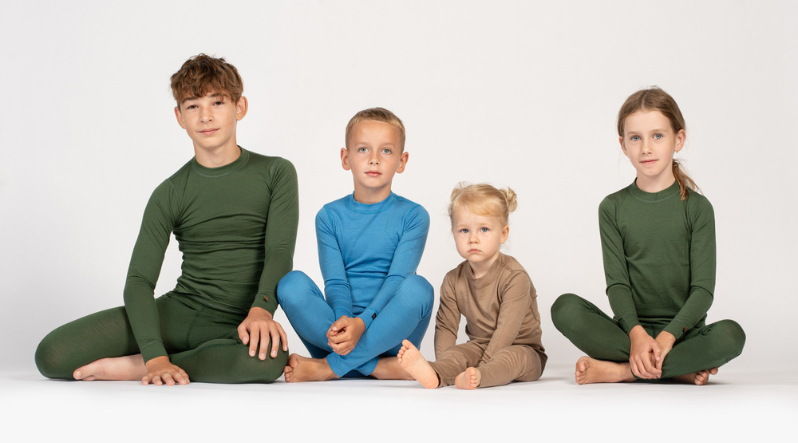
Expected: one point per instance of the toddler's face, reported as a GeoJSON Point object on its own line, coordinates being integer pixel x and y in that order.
{"type": "Point", "coordinates": [478, 237]}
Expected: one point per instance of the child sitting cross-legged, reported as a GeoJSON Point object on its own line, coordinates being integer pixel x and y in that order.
{"type": "Point", "coordinates": [493, 292]}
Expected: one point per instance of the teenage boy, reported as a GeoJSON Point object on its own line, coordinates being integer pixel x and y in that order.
{"type": "Point", "coordinates": [234, 214]}
{"type": "Point", "coordinates": [370, 244]}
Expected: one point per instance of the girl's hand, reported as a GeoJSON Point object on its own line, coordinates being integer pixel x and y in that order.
{"type": "Point", "coordinates": [644, 353]}
{"type": "Point", "coordinates": [665, 340]}
{"type": "Point", "coordinates": [257, 329]}
{"type": "Point", "coordinates": [160, 370]}
{"type": "Point", "coordinates": [344, 334]}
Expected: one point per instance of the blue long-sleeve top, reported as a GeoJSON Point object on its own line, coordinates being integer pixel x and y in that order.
{"type": "Point", "coordinates": [367, 250]}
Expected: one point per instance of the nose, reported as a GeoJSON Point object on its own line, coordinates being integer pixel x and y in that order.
{"type": "Point", "coordinates": [646, 146]}
{"type": "Point", "coordinates": [374, 159]}
{"type": "Point", "coordinates": [206, 114]}
{"type": "Point", "coordinates": [472, 237]}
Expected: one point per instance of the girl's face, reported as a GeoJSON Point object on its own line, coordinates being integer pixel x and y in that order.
{"type": "Point", "coordinates": [649, 142]}
{"type": "Point", "coordinates": [478, 238]}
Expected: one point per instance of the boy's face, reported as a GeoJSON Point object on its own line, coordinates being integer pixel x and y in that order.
{"type": "Point", "coordinates": [374, 154]}
{"type": "Point", "coordinates": [210, 121]}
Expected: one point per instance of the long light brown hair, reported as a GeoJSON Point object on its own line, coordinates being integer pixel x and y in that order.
{"type": "Point", "coordinates": [655, 99]}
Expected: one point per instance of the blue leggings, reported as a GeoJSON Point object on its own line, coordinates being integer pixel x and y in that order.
{"type": "Point", "coordinates": [406, 316]}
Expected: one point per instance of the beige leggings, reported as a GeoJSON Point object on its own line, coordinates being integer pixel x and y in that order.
{"type": "Point", "coordinates": [513, 363]}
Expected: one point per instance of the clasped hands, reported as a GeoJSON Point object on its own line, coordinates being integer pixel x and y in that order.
{"type": "Point", "coordinates": [344, 334]}
{"type": "Point", "coordinates": [647, 354]}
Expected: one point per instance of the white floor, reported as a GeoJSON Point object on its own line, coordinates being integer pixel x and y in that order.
{"type": "Point", "coordinates": [739, 404]}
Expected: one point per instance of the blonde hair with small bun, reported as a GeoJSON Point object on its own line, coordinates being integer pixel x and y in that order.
{"type": "Point", "coordinates": [483, 199]}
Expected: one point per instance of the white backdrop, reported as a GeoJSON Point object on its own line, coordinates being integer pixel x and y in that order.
{"type": "Point", "coordinates": [520, 94]}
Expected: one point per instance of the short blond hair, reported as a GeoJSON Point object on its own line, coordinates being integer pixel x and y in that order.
{"type": "Point", "coordinates": [379, 115]}
{"type": "Point", "coordinates": [483, 199]}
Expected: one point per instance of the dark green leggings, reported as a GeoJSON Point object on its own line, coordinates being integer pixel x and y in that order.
{"type": "Point", "coordinates": [601, 337]}
{"type": "Point", "coordinates": [202, 341]}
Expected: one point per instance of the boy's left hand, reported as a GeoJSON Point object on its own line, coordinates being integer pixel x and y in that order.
{"type": "Point", "coordinates": [344, 334]}
{"type": "Point", "coordinates": [257, 329]}
{"type": "Point", "coordinates": [665, 340]}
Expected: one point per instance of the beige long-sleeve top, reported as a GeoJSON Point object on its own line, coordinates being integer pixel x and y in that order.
{"type": "Point", "coordinates": [500, 308]}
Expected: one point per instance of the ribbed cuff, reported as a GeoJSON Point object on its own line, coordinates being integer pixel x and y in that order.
{"type": "Point", "coordinates": [368, 316]}
{"type": "Point", "coordinates": [152, 350]}
{"type": "Point", "coordinates": [267, 302]}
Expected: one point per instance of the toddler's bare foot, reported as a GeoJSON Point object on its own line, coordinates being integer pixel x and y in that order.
{"type": "Point", "coordinates": [590, 370]}
{"type": "Point", "coordinates": [301, 369]}
{"type": "Point", "coordinates": [468, 379]}
{"type": "Point", "coordinates": [127, 368]}
{"type": "Point", "coordinates": [388, 368]}
{"type": "Point", "coordinates": [411, 360]}
{"type": "Point", "coordinates": [699, 378]}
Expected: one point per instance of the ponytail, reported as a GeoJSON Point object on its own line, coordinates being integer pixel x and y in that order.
{"type": "Point", "coordinates": [686, 184]}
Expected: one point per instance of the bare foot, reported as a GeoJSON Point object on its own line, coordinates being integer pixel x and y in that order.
{"type": "Point", "coordinates": [127, 368]}
{"type": "Point", "coordinates": [468, 379]}
{"type": "Point", "coordinates": [699, 378]}
{"type": "Point", "coordinates": [590, 370]}
{"type": "Point", "coordinates": [411, 360]}
{"type": "Point", "coordinates": [307, 369]}
{"type": "Point", "coordinates": [388, 368]}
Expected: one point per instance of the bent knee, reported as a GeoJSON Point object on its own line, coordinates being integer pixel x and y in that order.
{"type": "Point", "coordinates": [734, 335]}
{"type": "Point", "coordinates": [417, 289]}
{"type": "Point", "coordinates": [49, 361]}
{"type": "Point", "coordinates": [292, 284]}
{"type": "Point", "coordinates": [565, 308]}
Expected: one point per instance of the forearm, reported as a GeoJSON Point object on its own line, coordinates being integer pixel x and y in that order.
{"type": "Point", "coordinates": [142, 312]}
{"type": "Point", "coordinates": [693, 310]}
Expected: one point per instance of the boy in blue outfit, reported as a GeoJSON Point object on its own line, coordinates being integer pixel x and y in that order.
{"type": "Point", "coordinates": [370, 244]}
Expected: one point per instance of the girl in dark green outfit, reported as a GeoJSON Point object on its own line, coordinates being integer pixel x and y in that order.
{"type": "Point", "coordinates": [658, 243]}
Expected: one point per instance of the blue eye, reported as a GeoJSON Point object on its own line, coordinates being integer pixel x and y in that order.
{"type": "Point", "coordinates": [635, 138]}
{"type": "Point", "coordinates": [658, 136]}
{"type": "Point", "coordinates": [362, 149]}
{"type": "Point", "coordinates": [464, 231]}
{"type": "Point", "coordinates": [484, 229]}
{"type": "Point", "coordinates": [386, 151]}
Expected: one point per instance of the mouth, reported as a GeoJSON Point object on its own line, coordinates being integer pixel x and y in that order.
{"type": "Point", "coordinates": [648, 162]}
{"type": "Point", "coordinates": [207, 132]}
{"type": "Point", "coordinates": [474, 251]}
{"type": "Point", "coordinates": [373, 173]}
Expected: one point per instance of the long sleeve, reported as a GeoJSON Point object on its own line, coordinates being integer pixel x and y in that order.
{"type": "Point", "coordinates": [337, 290]}
{"type": "Point", "coordinates": [447, 321]}
{"type": "Point", "coordinates": [616, 271]}
{"type": "Point", "coordinates": [281, 231]}
{"type": "Point", "coordinates": [405, 261]}
{"type": "Point", "coordinates": [145, 267]}
{"type": "Point", "coordinates": [516, 299]}
{"type": "Point", "coordinates": [702, 269]}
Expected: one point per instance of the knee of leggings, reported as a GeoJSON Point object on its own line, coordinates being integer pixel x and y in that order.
{"type": "Point", "coordinates": [293, 283]}
{"type": "Point", "coordinates": [734, 335]}
{"type": "Point", "coordinates": [564, 309]}
{"type": "Point", "coordinates": [417, 290]}
{"type": "Point", "coordinates": [48, 360]}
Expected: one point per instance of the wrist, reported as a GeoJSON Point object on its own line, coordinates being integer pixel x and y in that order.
{"type": "Point", "coordinates": [258, 311]}
{"type": "Point", "coordinates": [157, 361]}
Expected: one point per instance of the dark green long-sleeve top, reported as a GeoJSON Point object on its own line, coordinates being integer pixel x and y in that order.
{"type": "Point", "coordinates": [236, 226]}
{"type": "Point", "coordinates": [659, 257]}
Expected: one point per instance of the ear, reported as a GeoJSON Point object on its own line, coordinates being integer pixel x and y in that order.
{"type": "Point", "coordinates": [680, 137]}
{"type": "Point", "coordinates": [345, 159]}
{"type": "Point", "coordinates": [179, 116]}
{"type": "Point", "coordinates": [241, 108]}
{"type": "Point", "coordinates": [505, 234]}
{"type": "Point", "coordinates": [402, 162]}
{"type": "Point", "coordinates": [623, 147]}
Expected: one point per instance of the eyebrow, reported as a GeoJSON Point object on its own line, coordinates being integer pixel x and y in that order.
{"type": "Point", "coordinates": [218, 94]}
